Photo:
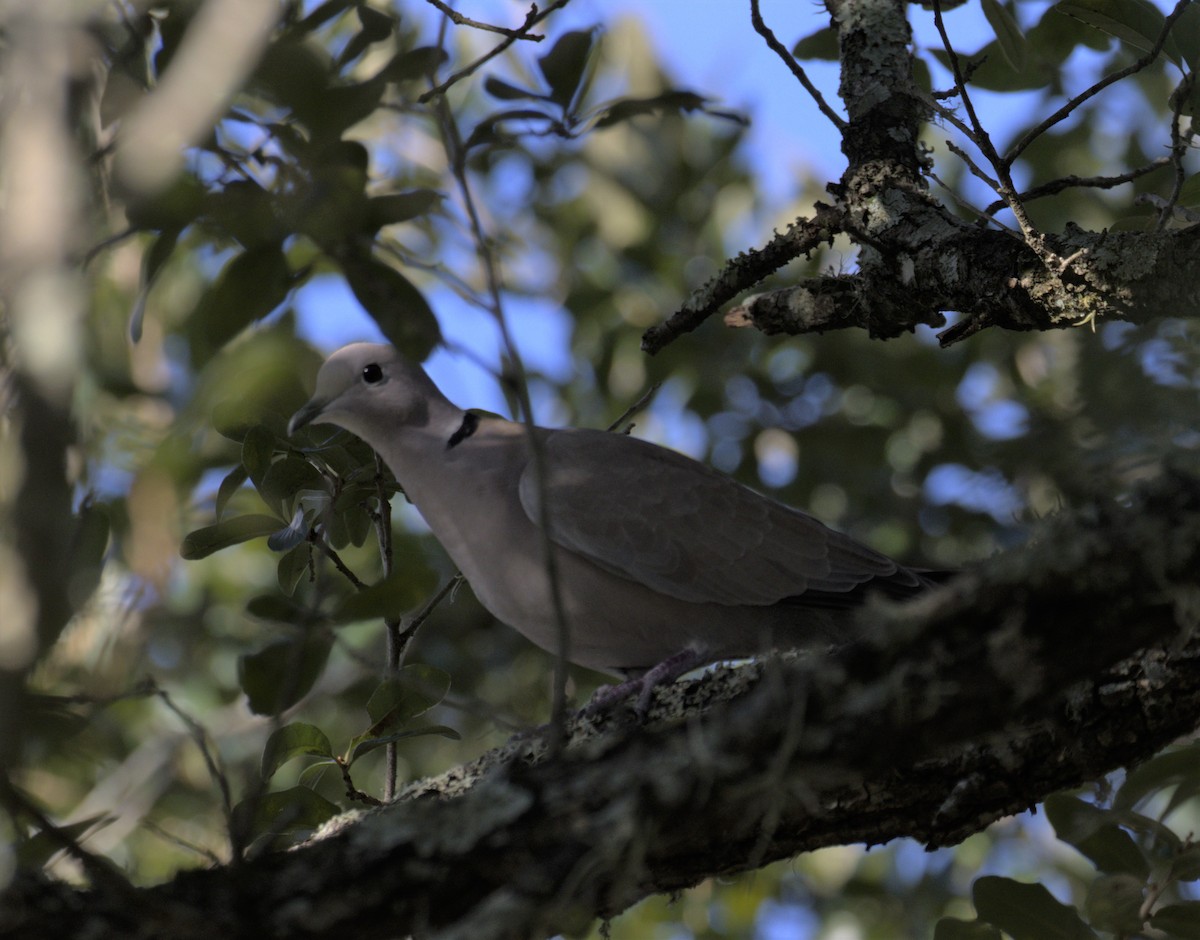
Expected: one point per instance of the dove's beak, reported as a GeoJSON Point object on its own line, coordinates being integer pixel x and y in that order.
{"type": "Point", "coordinates": [306, 415]}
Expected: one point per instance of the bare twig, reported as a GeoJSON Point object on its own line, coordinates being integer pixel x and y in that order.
{"type": "Point", "coordinates": [1089, 182]}
{"type": "Point", "coordinates": [531, 19]}
{"type": "Point", "coordinates": [522, 32]}
{"type": "Point", "coordinates": [452, 140]}
{"type": "Point", "coordinates": [1067, 109]}
{"type": "Point", "coordinates": [1178, 152]}
{"type": "Point", "coordinates": [635, 407]}
{"type": "Point", "coordinates": [318, 539]}
{"type": "Point", "coordinates": [789, 60]}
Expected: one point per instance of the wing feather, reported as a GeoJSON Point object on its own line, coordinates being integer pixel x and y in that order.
{"type": "Point", "coordinates": [685, 530]}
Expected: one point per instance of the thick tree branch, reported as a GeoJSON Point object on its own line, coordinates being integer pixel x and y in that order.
{"type": "Point", "coordinates": [969, 704]}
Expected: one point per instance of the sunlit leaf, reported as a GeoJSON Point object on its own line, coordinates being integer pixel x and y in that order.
{"type": "Point", "coordinates": [293, 740]}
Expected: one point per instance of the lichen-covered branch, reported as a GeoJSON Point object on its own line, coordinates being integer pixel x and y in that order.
{"type": "Point", "coordinates": [966, 705]}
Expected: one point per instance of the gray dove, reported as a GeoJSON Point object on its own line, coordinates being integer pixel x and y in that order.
{"type": "Point", "coordinates": [660, 559]}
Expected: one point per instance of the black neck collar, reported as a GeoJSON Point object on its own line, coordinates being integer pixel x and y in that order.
{"type": "Point", "coordinates": [469, 423]}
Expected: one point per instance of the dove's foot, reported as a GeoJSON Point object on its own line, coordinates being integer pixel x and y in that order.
{"type": "Point", "coordinates": [607, 697]}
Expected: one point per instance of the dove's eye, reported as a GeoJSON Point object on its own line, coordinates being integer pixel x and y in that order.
{"type": "Point", "coordinates": [372, 374]}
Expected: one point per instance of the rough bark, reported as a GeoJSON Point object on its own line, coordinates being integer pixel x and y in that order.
{"type": "Point", "coordinates": [1044, 669]}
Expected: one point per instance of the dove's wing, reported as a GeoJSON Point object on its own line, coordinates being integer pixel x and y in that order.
{"type": "Point", "coordinates": [687, 531]}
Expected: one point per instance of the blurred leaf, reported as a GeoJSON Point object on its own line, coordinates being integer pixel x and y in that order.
{"type": "Point", "coordinates": [399, 207]}
{"type": "Point", "coordinates": [1027, 911]}
{"type": "Point", "coordinates": [396, 306]}
{"type": "Point", "coordinates": [203, 542]}
{"type": "Point", "coordinates": [258, 448]}
{"type": "Point", "coordinates": [88, 546]}
{"type": "Point", "coordinates": [277, 609]}
{"type": "Point", "coordinates": [249, 287]}
{"type": "Point", "coordinates": [822, 45]}
{"type": "Point", "coordinates": [293, 740]}
{"type": "Point", "coordinates": [286, 811]}
{"type": "Point", "coordinates": [1169, 769]}
{"type": "Point", "coordinates": [248, 213]}
{"type": "Point", "coordinates": [418, 63]}
{"type": "Point", "coordinates": [277, 677]}
{"type": "Point", "coordinates": [502, 90]}
{"type": "Point", "coordinates": [284, 479]}
{"type": "Point", "coordinates": [230, 484]}
{"type": "Point", "coordinates": [41, 847]}
{"type": "Point", "coordinates": [173, 208]}
{"type": "Point", "coordinates": [1178, 920]}
{"type": "Point", "coordinates": [673, 101]}
{"type": "Point", "coordinates": [323, 13]}
{"type": "Point", "coordinates": [563, 66]}
{"type": "Point", "coordinates": [292, 567]}
{"type": "Point", "coordinates": [951, 928]}
{"type": "Point", "coordinates": [1008, 33]}
{"type": "Point", "coordinates": [1114, 903]}
{"type": "Point", "coordinates": [1137, 23]}
{"type": "Point", "coordinates": [1185, 866]}
{"type": "Point", "coordinates": [388, 599]}
{"type": "Point", "coordinates": [1097, 834]}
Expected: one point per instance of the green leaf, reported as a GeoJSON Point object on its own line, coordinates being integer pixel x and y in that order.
{"type": "Point", "coordinates": [1114, 903]}
{"type": "Point", "coordinates": [952, 928]}
{"type": "Point", "coordinates": [1169, 769]}
{"type": "Point", "coordinates": [230, 484]}
{"type": "Point", "coordinates": [285, 479]}
{"type": "Point", "coordinates": [674, 101]}
{"type": "Point", "coordinates": [249, 287]}
{"type": "Point", "coordinates": [258, 448]}
{"type": "Point", "coordinates": [822, 45]}
{"type": "Point", "coordinates": [392, 301]}
{"type": "Point", "coordinates": [1008, 33]}
{"type": "Point", "coordinates": [362, 746]}
{"type": "Point", "coordinates": [277, 677]}
{"type": "Point", "coordinates": [1027, 911]}
{"type": "Point", "coordinates": [173, 208]}
{"type": "Point", "coordinates": [1185, 866]}
{"type": "Point", "coordinates": [1179, 920]}
{"type": "Point", "coordinates": [41, 847]}
{"type": "Point", "coordinates": [293, 740]}
{"type": "Point", "coordinates": [410, 694]}
{"type": "Point", "coordinates": [399, 207]}
{"type": "Point", "coordinates": [294, 534]}
{"type": "Point", "coordinates": [1097, 834]}
{"type": "Point", "coordinates": [1137, 23]}
{"type": "Point", "coordinates": [563, 66]}
{"type": "Point", "coordinates": [298, 809]}
{"type": "Point", "coordinates": [498, 88]}
{"type": "Point", "coordinates": [418, 63]}
{"type": "Point", "coordinates": [277, 609]}
{"type": "Point", "coordinates": [387, 599]}
{"type": "Point", "coordinates": [292, 567]}
{"type": "Point", "coordinates": [203, 542]}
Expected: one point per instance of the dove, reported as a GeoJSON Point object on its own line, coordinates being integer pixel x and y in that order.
{"type": "Point", "coordinates": [659, 558]}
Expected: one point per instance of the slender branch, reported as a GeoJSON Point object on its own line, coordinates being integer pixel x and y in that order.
{"type": "Point", "coordinates": [1067, 109]}
{"type": "Point", "coordinates": [459, 20]}
{"type": "Point", "coordinates": [636, 407]}
{"type": "Point", "coordinates": [531, 19]}
{"type": "Point", "coordinates": [1178, 152]}
{"type": "Point", "coordinates": [318, 540]}
{"type": "Point", "coordinates": [797, 70]}
{"type": "Point", "coordinates": [456, 153]}
{"type": "Point", "coordinates": [383, 532]}
{"type": "Point", "coordinates": [1089, 182]}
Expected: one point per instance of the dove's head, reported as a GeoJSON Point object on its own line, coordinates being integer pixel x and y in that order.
{"type": "Point", "coordinates": [373, 392]}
